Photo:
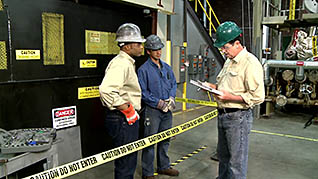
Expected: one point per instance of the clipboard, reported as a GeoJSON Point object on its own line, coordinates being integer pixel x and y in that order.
{"type": "Point", "coordinates": [208, 88]}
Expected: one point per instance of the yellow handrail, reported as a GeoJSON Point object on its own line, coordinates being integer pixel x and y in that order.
{"type": "Point", "coordinates": [209, 16]}
{"type": "Point", "coordinates": [206, 14]}
{"type": "Point", "coordinates": [217, 20]}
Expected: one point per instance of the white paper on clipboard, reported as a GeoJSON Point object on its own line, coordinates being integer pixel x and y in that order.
{"type": "Point", "coordinates": [201, 85]}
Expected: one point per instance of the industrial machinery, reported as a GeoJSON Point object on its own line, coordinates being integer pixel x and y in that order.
{"type": "Point", "coordinates": [26, 140]}
{"type": "Point", "coordinates": [289, 53]}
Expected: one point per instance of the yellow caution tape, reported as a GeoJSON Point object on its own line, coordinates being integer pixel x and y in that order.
{"type": "Point", "coordinates": [284, 135]}
{"type": "Point", "coordinates": [81, 165]}
{"type": "Point", "coordinates": [195, 101]}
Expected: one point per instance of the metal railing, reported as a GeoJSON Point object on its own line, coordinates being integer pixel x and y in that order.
{"type": "Point", "coordinates": [208, 12]}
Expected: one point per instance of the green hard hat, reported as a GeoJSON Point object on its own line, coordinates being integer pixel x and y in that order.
{"type": "Point", "coordinates": [226, 32]}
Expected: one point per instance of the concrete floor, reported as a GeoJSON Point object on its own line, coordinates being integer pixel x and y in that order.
{"type": "Point", "coordinates": [271, 156]}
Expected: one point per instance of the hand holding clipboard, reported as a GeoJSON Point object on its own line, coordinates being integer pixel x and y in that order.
{"type": "Point", "coordinates": [205, 87]}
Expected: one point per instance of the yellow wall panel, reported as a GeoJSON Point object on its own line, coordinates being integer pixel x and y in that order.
{"type": "Point", "coordinates": [53, 38]}
{"type": "Point", "coordinates": [3, 56]}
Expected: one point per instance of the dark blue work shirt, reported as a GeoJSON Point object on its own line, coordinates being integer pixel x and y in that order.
{"type": "Point", "coordinates": [156, 83]}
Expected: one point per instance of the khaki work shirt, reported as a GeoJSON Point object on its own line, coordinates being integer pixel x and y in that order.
{"type": "Point", "coordinates": [242, 76]}
{"type": "Point", "coordinates": [120, 84]}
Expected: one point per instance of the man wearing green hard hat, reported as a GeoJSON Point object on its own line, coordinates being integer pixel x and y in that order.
{"type": "Point", "coordinates": [241, 82]}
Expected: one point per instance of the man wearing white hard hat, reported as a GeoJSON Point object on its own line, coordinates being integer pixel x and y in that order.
{"type": "Point", "coordinates": [121, 95]}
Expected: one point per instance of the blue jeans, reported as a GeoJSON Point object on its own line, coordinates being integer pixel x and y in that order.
{"type": "Point", "coordinates": [155, 121]}
{"type": "Point", "coordinates": [122, 133]}
{"type": "Point", "coordinates": [233, 130]}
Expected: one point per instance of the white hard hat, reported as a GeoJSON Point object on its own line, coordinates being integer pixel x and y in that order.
{"type": "Point", "coordinates": [129, 32]}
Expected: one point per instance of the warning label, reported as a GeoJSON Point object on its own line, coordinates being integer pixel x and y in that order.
{"type": "Point", "coordinates": [64, 117]}
{"type": "Point", "coordinates": [27, 54]}
{"type": "Point", "coordinates": [88, 63]}
{"type": "Point", "coordinates": [88, 92]}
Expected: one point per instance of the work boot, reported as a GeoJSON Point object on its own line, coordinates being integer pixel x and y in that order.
{"type": "Point", "coordinates": [148, 177]}
{"type": "Point", "coordinates": [214, 156]}
{"type": "Point", "coordinates": [169, 171]}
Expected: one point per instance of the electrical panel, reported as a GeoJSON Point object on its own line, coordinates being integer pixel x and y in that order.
{"type": "Point", "coordinates": [193, 64]}
{"type": "Point", "coordinates": [179, 58]}
{"type": "Point", "coordinates": [200, 64]}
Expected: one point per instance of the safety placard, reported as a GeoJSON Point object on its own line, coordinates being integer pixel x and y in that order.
{"type": "Point", "coordinates": [27, 54]}
{"type": "Point", "coordinates": [64, 117]}
{"type": "Point", "coordinates": [98, 42]}
{"type": "Point", "coordinates": [88, 63]}
{"type": "Point", "coordinates": [88, 92]}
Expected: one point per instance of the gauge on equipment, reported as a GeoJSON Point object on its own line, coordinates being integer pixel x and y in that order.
{"type": "Point", "coordinates": [288, 75]}
{"type": "Point", "coordinates": [313, 76]}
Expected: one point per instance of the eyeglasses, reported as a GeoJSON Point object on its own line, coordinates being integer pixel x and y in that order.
{"type": "Point", "coordinates": [226, 47]}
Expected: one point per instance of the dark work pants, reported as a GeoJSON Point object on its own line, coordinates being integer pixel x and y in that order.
{"type": "Point", "coordinates": [122, 133]}
{"type": "Point", "coordinates": [155, 121]}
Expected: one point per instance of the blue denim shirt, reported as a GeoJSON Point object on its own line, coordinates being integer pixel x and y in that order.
{"type": "Point", "coordinates": [156, 83]}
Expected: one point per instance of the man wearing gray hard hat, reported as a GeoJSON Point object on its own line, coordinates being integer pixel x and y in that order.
{"type": "Point", "coordinates": [158, 85]}
{"type": "Point", "coordinates": [121, 95]}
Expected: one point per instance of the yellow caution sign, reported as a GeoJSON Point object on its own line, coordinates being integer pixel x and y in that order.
{"type": "Point", "coordinates": [314, 46]}
{"type": "Point", "coordinates": [88, 63]}
{"type": "Point", "coordinates": [27, 54]}
{"type": "Point", "coordinates": [88, 92]}
{"type": "Point", "coordinates": [195, 101]}
{"type": "Point", "coordinates": [81, 165]}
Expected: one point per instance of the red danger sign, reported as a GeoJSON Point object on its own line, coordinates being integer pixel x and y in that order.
{"type": "Point", "coordinates": [64, 117]}
{"type": "Point", "coordinates": [63, 113]}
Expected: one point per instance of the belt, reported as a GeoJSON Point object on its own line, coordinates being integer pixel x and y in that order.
{"type": "Point", "coordinates": [230, 110]}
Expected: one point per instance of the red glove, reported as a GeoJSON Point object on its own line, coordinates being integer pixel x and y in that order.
{"type": "Point", "coordinates": [131, 115]}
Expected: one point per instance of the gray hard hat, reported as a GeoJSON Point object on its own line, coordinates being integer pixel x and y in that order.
{"type": "Point", "coordinates": [129, 32]}
{"type": "Point", "coordinates": [153, 42]}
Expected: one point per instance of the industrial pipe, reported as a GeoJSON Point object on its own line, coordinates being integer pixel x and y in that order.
{"type": "Point", "coordinates": [300, 66]}
{"type": "Point", "coordinates": [300, 74]}
{"type": "Point", "coordinates": [268, 81]}
{"type": "Point", "coordinates": [292, 64]}
{"type": "Point", "coordinates": [294, 101]}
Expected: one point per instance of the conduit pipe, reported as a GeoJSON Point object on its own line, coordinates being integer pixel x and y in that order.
{"type": "Point", "coordinates": [300, 67]}
{"type": "Point", "coordinates": [295, 101]}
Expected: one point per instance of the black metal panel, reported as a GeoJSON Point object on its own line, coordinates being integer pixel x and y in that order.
{"type": "Point", "coordinates": [32, 90]}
